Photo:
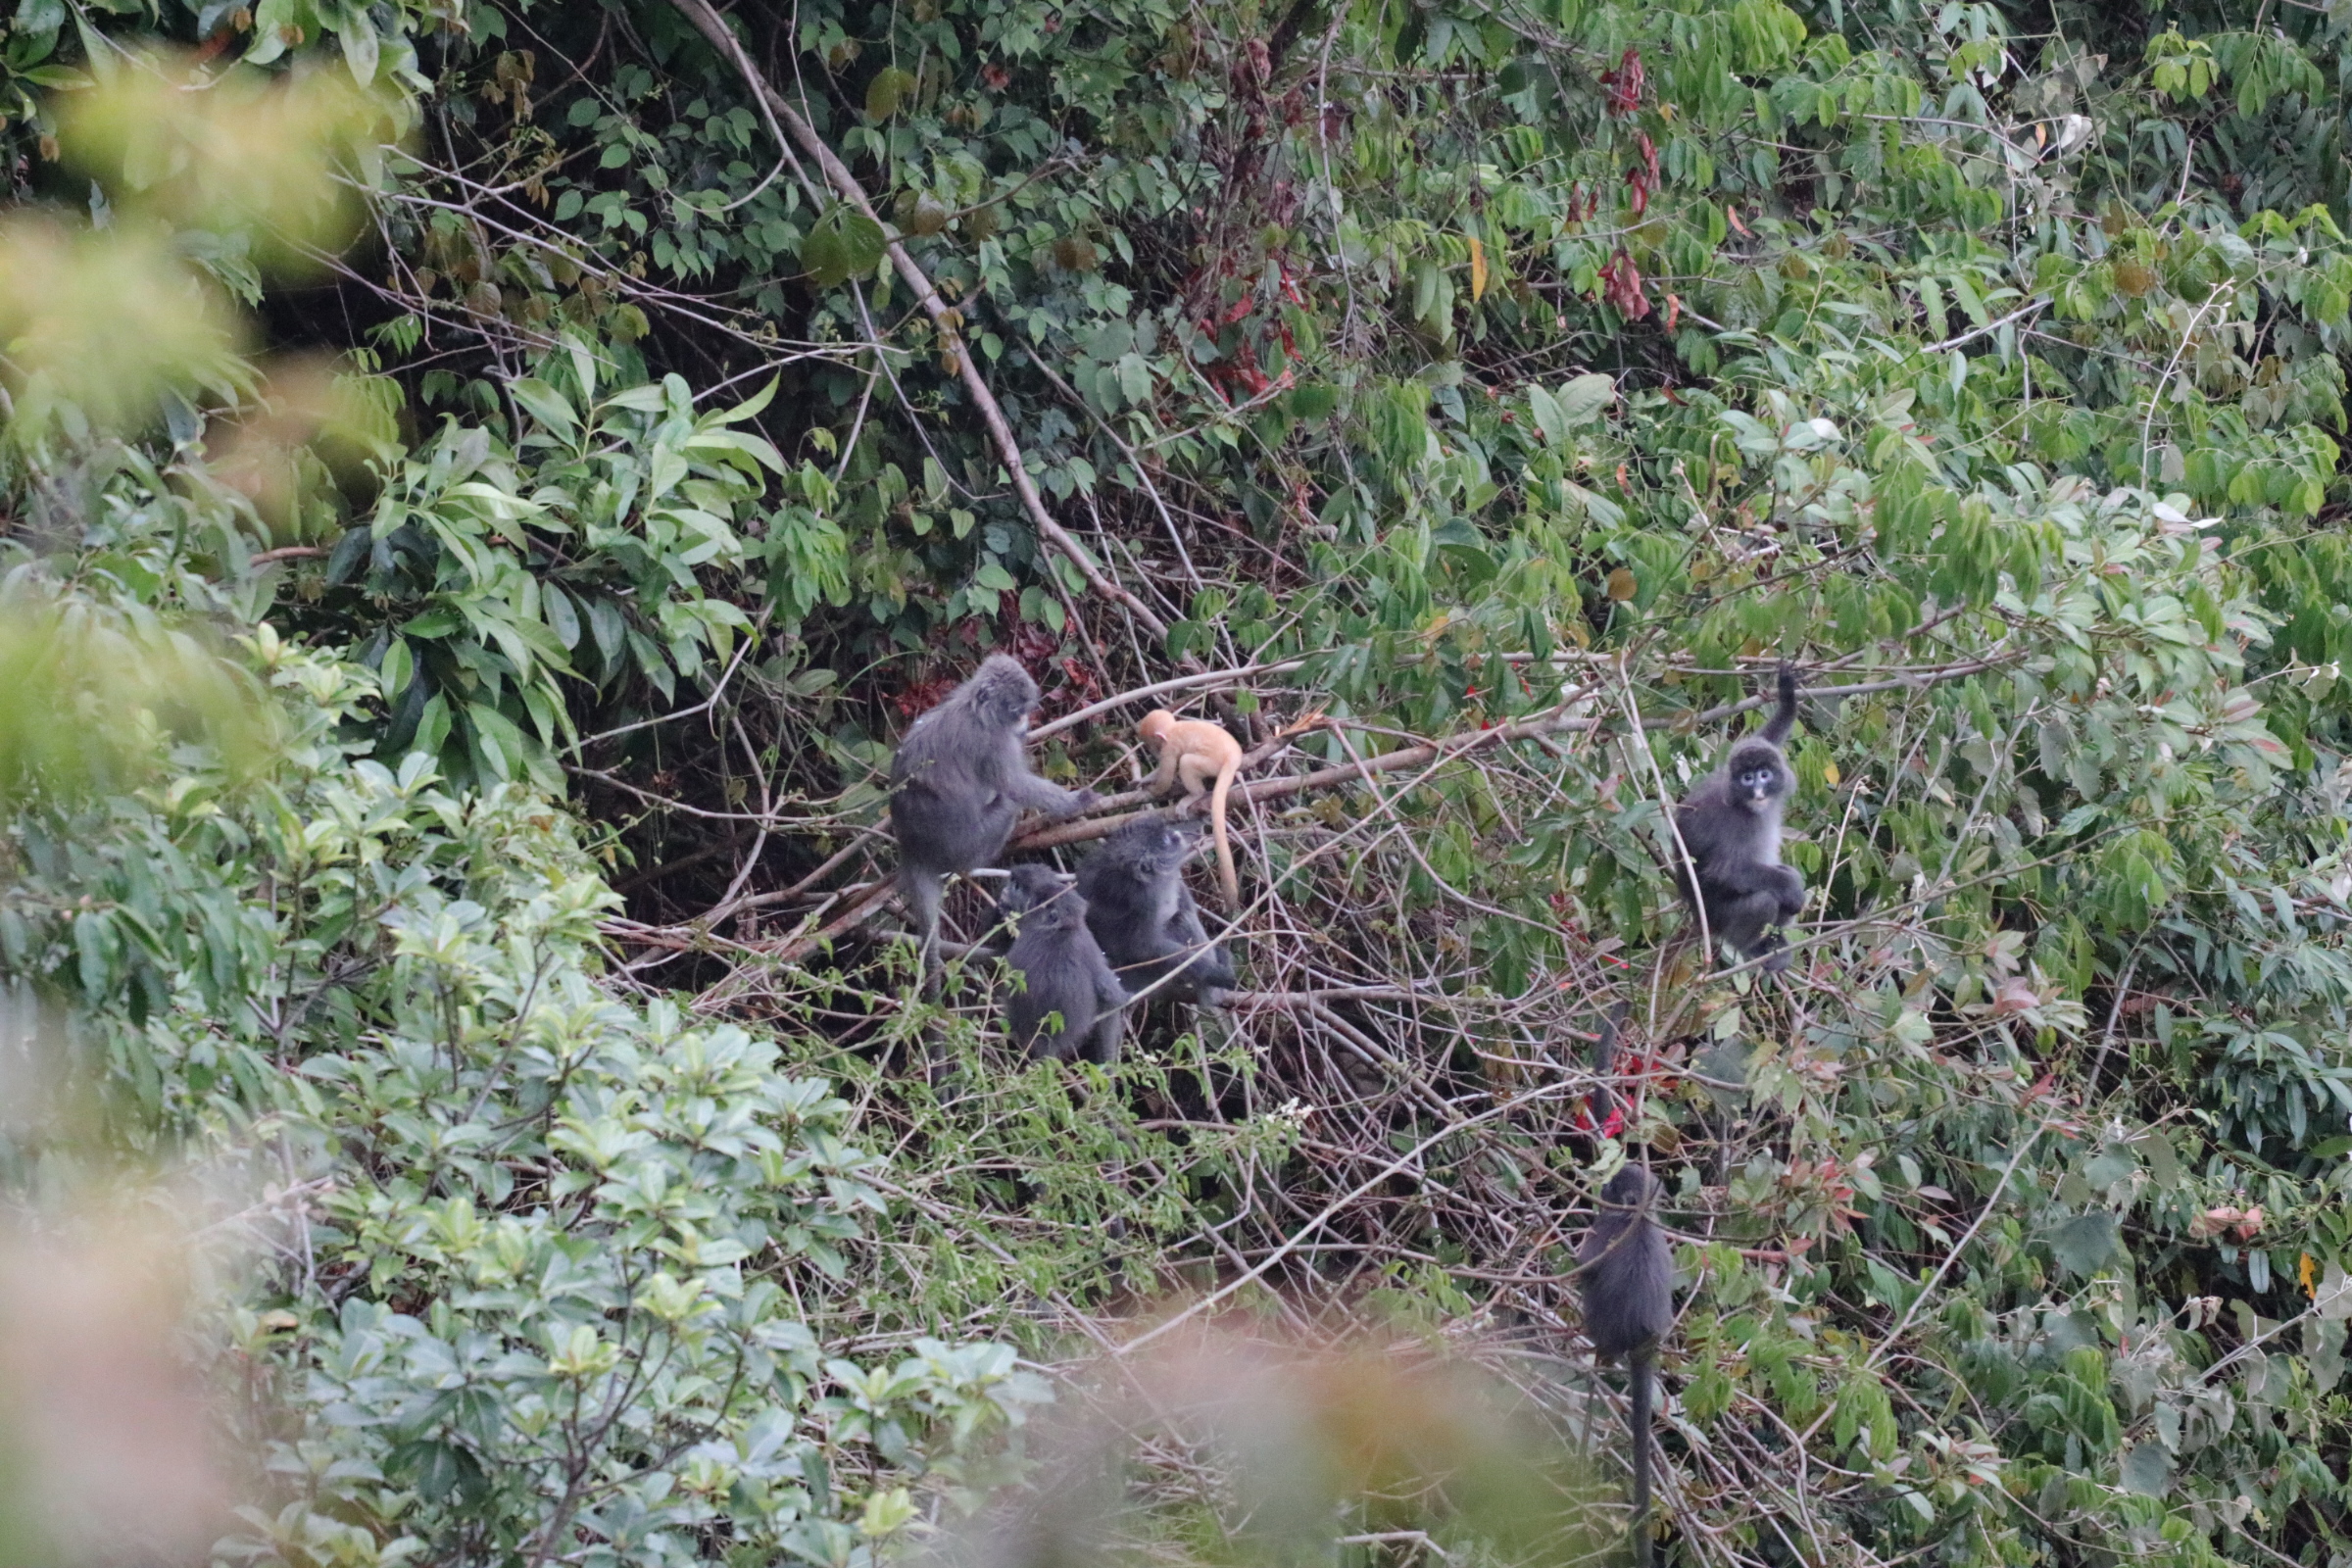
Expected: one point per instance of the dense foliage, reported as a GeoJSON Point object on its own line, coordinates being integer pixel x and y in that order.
{"type": "Point", "coordinates": [488, 481]}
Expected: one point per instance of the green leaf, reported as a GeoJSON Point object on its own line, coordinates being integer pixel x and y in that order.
{"type": "Point", "coordinates": [1582, 399]}
{"type": "Point", "coordinates": [886, 91]}
{"type": "Point", "coordinates": [2086, 1244]}
{"type": "Point", "coordinates": [1544, 409]}
{"type": "Point", "coordinates": [1313, 401]}
{"type": "Point", "coordinates": [749, 408]}
{"type": "Point", "coordinates": [842, 244]}
{"type": "Point", "coordinates": [2147, 1470]}
{"type": "Point", "coordinates": [360, 44]}
{"type": "Point", "coordinates": [545, 403]}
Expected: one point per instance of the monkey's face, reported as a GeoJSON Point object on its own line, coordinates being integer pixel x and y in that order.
{"type": "Point", "coordinates": [1032, 885]}
{"type": "Point", "coordinates": [1170, 846]}
{"type": "Point", "coordinates": [1011, 709]}
{"type": "Point", "coordinates": [1758, 777]}
{"type": "Point", "coordinates": [1005, 694]}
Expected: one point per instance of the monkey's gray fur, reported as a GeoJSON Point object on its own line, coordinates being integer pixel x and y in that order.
{"type": "Point", "coordinates": [958, 784]}
{"type": "Point", "coordinates": [1025, 888]}
{"type": "Point", "coordinates": [1730, 827]}
{"type": "Point", "coordinates": [1145, 917]}
{"type": "Point", "coordinates": [1628, 1283]}
{"type": "Point", "coordinates": [1064, 973]}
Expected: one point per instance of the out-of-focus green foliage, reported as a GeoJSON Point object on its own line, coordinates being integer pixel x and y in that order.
{"type": "Point", "coordinates": [535, 1241]}
{"type": "Point", "coordinates": [1449, 366]}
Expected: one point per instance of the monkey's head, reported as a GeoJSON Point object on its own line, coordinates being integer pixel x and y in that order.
{"type": "Point", "coordinates": [1003, 693]}
{"type": "Point", "coordinates": [1632, 1188]}
{"type": "Point", "coordinates": [1156, 724]}
{"type": "Point", "coordinates": [1028, 887]}
{"type": "Point", "coordinates": [1057, 909]}
{"type": "Point", "coordinates": [1157, 844]}
{"type": "Point", "coordinates": [1758, 773]}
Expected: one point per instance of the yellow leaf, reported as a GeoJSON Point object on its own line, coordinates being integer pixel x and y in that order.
{"type": "Point", "coordinates": [1621, 584]}
{"type": "Point", "coordinates": [2305, 1269]}
{"type": "Point", "coordinates": [1478, 270]}
{"type": "Point", "coordinates": [1830, 774]}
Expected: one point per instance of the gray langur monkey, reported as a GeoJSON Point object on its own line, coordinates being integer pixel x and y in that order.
{"type": "Point", "coordinates": [958, 784]}
{"type": "Point", "coordinates": [1628, 1279]}
{"type": "Point", "coordinates": [1025, 888]}
{"type": "Point", "coordinates": [1145, 917]}
{"type": "Point", "coordinates": [1730, 827]}
{"type": "Point", "coordinates": [1063, 972]}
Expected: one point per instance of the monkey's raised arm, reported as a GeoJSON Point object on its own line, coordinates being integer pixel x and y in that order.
{"type": "Point", "coordinates": [1783, 717]}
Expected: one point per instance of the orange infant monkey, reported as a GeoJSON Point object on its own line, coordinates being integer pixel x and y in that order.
{"type": "Point", "coordinates": [1193, 750]}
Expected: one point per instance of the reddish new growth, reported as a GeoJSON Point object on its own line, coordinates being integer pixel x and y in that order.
{"type": "Point", "coordinates": [1626, 83]}
{"type": "Point", "coordinates": [922, 696]}
{"type": "Point", "coordinates": [1621, 286]}
{"type": "Point", "coordinates": [1644, 180]}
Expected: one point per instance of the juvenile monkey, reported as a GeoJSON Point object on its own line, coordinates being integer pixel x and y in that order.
{"type": "Point", "coordinates": [959, 783]}
{"type": "Point", "coordinates": [1064, 972]}
{"type": "Point", "coordinates": [1194, 750]}
{"type": "Point", "coordinates": [1731, 825]}
{"type": "Point", "coordinates": [1628, 1283]}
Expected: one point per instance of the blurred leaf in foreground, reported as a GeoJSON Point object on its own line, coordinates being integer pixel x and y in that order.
{"type": "Point", "coordinates": [105, 323]}
{"type": "Point", "coordinates": [89, 698]}
{"type": "Point", "coordinates": [1295, 1449]}
{"type": "Point", "coordinates": [311, 420]}
{"type": "Point", "coordinates": [277, 159]}
{"type": "Point", "coordinates": [106, 1451]}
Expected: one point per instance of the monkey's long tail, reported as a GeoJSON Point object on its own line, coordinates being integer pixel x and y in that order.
{"type": "Point", "coordinates": [1217, 816]}
{"type": "Point", "coordinates": [1643, 1377]}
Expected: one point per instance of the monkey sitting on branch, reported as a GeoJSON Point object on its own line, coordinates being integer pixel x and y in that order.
{"type": "Point", "coordinates": [958, 784]}
{"type": "Point", "coordinates": [1729, 862]}
{"type": "Point", "coordinates": [1145, 917]}
{"type": "Point", "coordinates": [1196, 751]}
{"type": "Point", "coordinates": [1628, 1277]}
{"type": "Point", "coordinates": [1064, 974]}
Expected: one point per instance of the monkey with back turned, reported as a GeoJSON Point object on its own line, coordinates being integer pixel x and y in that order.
{"type": "Point", "coordinates": [958, 784]}
{"type": "Point", "coordinates": [1730, 825]}
{"type": "Point", "coordinates": [1145, 917]}
{"type": "Point", "coordinates": [1626, 1272]}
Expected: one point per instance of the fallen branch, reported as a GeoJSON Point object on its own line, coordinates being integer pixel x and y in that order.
{"type": "Point", "coordinates": [948, 320]}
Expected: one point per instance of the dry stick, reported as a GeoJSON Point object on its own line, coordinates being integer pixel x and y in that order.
{"type": "Point", "coordinates": [1213, 677]}
{"type": "Point", "coordinates": [1953, 1256]}
{"type": "Point", "coordinates": [1402, 1163]}
{"type": "Point", "coordinates": [711, 25]}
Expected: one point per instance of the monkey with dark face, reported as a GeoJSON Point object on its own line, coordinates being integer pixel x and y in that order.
{"type": "Point", "coordinates": [1025, 888]}
{"type": "Point", "coordinates": [1628, 1279]}
{"type": "Point", "coordinates": [1730, 828]}
{"type": "Point", "coordinates": [958, 784]}
{"type": "Point", "coordinates": [1063, 973]}
{"type": "Point", "coordinates": [1145, 917]}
